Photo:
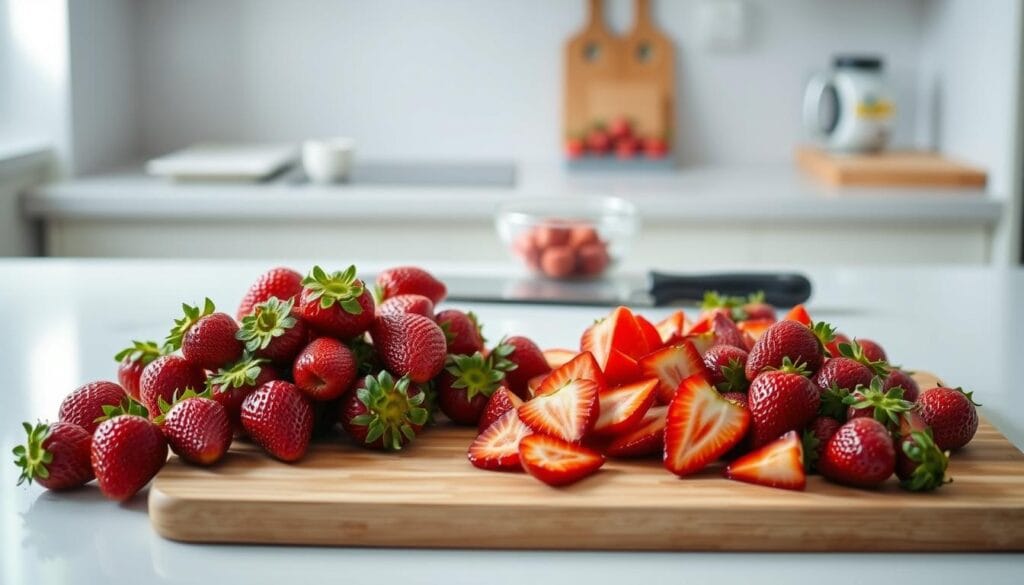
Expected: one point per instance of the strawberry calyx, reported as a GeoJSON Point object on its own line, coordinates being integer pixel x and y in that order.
{"type": "Point", "coordinates": [855, 352]}
{"type": "Point", "coordinates": [269, 319]}
{"type": "Point", "coordinates": [390, 411]}
{"type": "Point", "coordinates": [968, 395]}
{"type": "Point", "coordinates": [192, 316]}
{"type": "Point", "coordinates": [735, 377]}
{"type": "Point", "coordinates": [824, 332]}
{"type": "Point", "coordinates": [128, 405]}
{"type": "Point", "coordinates": [789, 367]}
{"type": "Point", "coordinates": [833, 402]}
{"type": "Point", "coordinates": [810, 443]}
{"type": "Point", "coordinates": [887, 405]}
{"type": "Point", "coordinates": [341, 288]}
{"type": "Point", "coordinates": [142, 352]}
{"type": "Point", "coordinates": [713, 300]}
{"type": "Point", "coordinates": [166, 407]}
{"type": "Point", "coordinates": [930, 472]}
{"type": "Point", "coordinates": [244, 372]}
{"type": "Point", "coordinates": [449, 335]}
{"type": "Point", "coordinates": [32, 458]}
{"type": "Point", "coordinates": [478, 374]}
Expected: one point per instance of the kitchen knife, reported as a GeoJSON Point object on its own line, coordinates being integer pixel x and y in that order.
{"type": "Point", "coordinates": [655, 289]}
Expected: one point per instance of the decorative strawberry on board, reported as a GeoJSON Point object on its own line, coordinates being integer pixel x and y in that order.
{"type": "Point", "coordinates": [655, 147]}
{"type": "Point", "coordinates": [281, 283]}
{"type": "Point", "coordinates": [951, 414]}
{"type": "Point", "coordinates": [197, 428]}
{"type": "Point", "coordinates": [279, 418]}
{"type": "Point", "coordinates": [726, 368]}
{"type": "Point", "coordinates": [127, 451]}
{"type": "Point", "coordinates": [410, 345]}
{"type": "Point", "coordinates": [574, 147]}
{"type": "Point", "coordinates": [920, 464]}
{"type": "Point", "coordinates": [84, 406]}
{"type": "Point", "coordinates": [530, 362]}
{"type": "Point", "coordinates": [132, 360]}
{"type": "Point", "coordinates": [166, 375]}
{"type": "Point", "coordinates": [599, 141]}
{"type": "Point", "coordinates": [620, 127]}
{"type": "Point", "coordinates": [229, 386]}
{"type": "Point", "coordinates": [468, 381]}
{"type": "Point", "coordinates": [407, 303]}
{"type": "Point", "coordinates": [557, 462]}
{"type": "Point", "coordinates": [789, 339]}
{"type": "Point", "coordinates": [272, 331]}
{"type": "Point", "coordinates": [336, 304]}
{"type": "Point", "coordinates": [859, 454]}
{"type": "Point", "coordinates": [701, 426]}
{"type": "Point", "coordinates": [461, 331]}
{"type": "Point", "coordinates": [324, 369]}
{"type": "Point", "coordinates": [56, 455]}
{"type": "Point", "coordinates": [780, 401]}
{"type": "Point", "coordinates": [402, 280]}
{"type": "Point", "coordinates": [779, 464]}
{"type": "Point", "coordinates": [384, 413]}
{"type": "Point", "coordinates": [497, 447]}
{"type": "Point", "coordinates": [206, 338]}
{"type": "Point", "coordinates": [501, 401]}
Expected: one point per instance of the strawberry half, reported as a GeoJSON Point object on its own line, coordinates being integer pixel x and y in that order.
{"type": "Point", "coordinates": [558, 357]}
{"type": "Point", "coordinates": [556, 462]}
{"type": "Point", "coordinates": [800, 315]}
{"type": "Point", "coordinates": [616, 343]}
{"type": "Point", "coordinates": [648, 332]}
{"type": "Point", "coordinates": [670, 366]}
{"type": "Point", "coordinates": [646, 439]}
{"type": "Point", "coordinates": [567, 412]}
{"type": "Point", "coordinates": [779, 464]}
{"type": "Point", "coordinates": [581, 367]}
{"type": "Point", "coordinates": [498, 446]}
{"type": "Point", "coordinates": [701, 426]}
{"type": "Point", "coordinates": [671, 328]}
{"type": "Point", "coordinates": [622, 408]}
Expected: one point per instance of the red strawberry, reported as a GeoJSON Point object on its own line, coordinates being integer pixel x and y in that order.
{"type": "Point", "coordinates": [671, 365]}
{"type": "Point", "coordinates": [620, 128]}
{"type": "Point", "coordinates": [843, 372]}
{"type": "Point", "coordinates": [755, 308]}
{"type": "Point", "coordinates": [725, 366]}
{"type": "Point", "coordinates": [324, 369]}
{"type": "Point", "coordinates": [166, 375]}
{"type": "Point", "coordinates": [726, 332]}
{"type": "Point", "coordinates": [832, 347]}
{"type": "Point", "coordinates": [279, 419]}
{"type": "Point", "coordinates": [206, 338]}
{"type": "Point", "coordinates": [381, 413]}
{"type": "Point", "coordinates": [671, 328]}
{"type": "Point", "coordinates": [951, 414]}
{"type": "Point", "coordinates": [920, 464]}
{"type": "Point", "coordinates": [85, 404]}
{"type": "Point", "coordinates": [627, 148]}
{"type": "Point", "coordinates": [229, 386]}
{"type": "Point", "coordinates": [556, 462]}
{"type": "Point", "coordinates": [897, 378]}
{"type": "Point", "coordinates": [885, 406]}
{"type": "Point", "coordinates": [815, 437]}
{"type": "Point", "coordinates": [336, 304]}
{"type": "Point", "coordinates": [701, 426]}
{"type": "Point", "coordinates": [859, 454]}
{"type": "Point", "coordinates": [530, 362]}
{"type": "Point", "coordinates": [461, 330]}
{"type": "Point", "coordinates": [872, 350]}
{"type": "Point", "coordinates": [649, 333]}
{"type": "Point", "coordinates": [410, 280]}
{"type": "Point", "coordinates": [622, 408]}
{"type": "Point", "coordinates": [617, 342]}
{"type": "Point", "coordinates": [581, 367]}
{"type": "Point", "coordinates": [647, 438]}
{"type": "Point", "coordinates": [409, 303]}
{"type": "Point", "coordinates": [197, 428]}
{"type": "Point", "coordinates": [738, 398]}
{"type": "Point", "coordinates": [568, 412]}
{"type": "Point", "coordinates": [598, 141]}
{"type": "Point", "coordinates": [779, 464]}
{"type": "Point", "coordinates": [557, 357]}
{"type": "Point", "coordinates": [800, 315]}
{"type": "Point", "coordinates": [468, 381]}
{"type": "Point", "coordinates": [132, 360]}
{"type": "Point", "coordinates": [502, 401]}
{"type": "Point", "coordinates": [574, 147]}
{"type": "Point", "coordinates": [788, 339]}
{"type": "Point", "coordinates": [272, 331]}
{"type": "Point", "coordinates": [56, 455]}
{"type": "Point", "coordinates": [127, 451]}
{"type": "Point", "coordinates": [753, 329]}
{"type": "Point", "coordinates": [283, 283]}
{"type": "Point", "coordinates": [410, 345]}
{"type": "Point", "coordinates": [781, 400]}
{"type": "Point", "coordinates": [498, 446]}
{"type": "Point", "coordinates": [655, 147]}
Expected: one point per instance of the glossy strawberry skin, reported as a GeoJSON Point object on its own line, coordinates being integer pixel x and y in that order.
{"type": "Point", "coordinates": [859, 454]}
{"type": "Point", "coordinates": [741, 398]}
{"type": "Point", "coordinates": [950, 414]}
{"type": "Point", "coordinates": [70, 446]}
{"type": "Point", "coordinates": [324, 369]}
{"type": "Point", "coordinates": [781, 340]}
{"type": "Point", "coordinates": [872, 350]}
{"type": "Point", "coordinates": [462, 332]}
{"type": "Point", "coordinates": [85, 404]}
{"type": "Point", "coordinates": [456, 404]}
{"type": "Point", "coordinates": [198, 430]}
{"type": "Point", "coordinates": [779, 402]}
{"type": "Point", "coordinates": [410, 345]}
{"type": "Point", "coordinates": [127, 451]}
{"type": "Point", "coordinates": [900, 378]}
{"type": "Point", "coordinates": [283, 349]}
{"type": "Point", "coordinates": [279, 419]}
{"type": "Point", "coordinates": [335, 321]}
{"type": "Point", "coordinates": [283, 283]}
{"type": "Point", "coordinates": [502, 401]}
{"type": "Point", "coordinates": [726, 332]}
{"type": "Point", "coordinates": [530, 363]}
{"type": "Point", "coordinates": [211, 342]}
{"type": "Point", "coordinates": [164, 377]}
{"type": "Point", "coordinates": [719, 357]}
{"type": "Point", "coordinates": [844, 373]}
{"type": "Point", "coordinates": [231, 398]}
{"type": "Point", "coordinates": [402, 280]}
{"type": "Point", "coordinates": [129, 373]}
{"type": "Point", "coordinates": [409, 303]}
{"type": "Point", "coordinates": [756, 311]}
{"type": "Point", "coordinates": [821, 428]}
{"type": "Point", "coordinates": [351, 407]}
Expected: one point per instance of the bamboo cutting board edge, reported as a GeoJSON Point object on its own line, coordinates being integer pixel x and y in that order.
{"type": "Point", "coordinates": [889, 169]}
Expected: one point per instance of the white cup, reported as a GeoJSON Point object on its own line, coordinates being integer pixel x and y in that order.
{"type": "Point", "coordinates": [328, 160]}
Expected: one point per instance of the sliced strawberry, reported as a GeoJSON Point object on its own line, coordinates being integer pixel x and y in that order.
{"type": "Point", "coordinates": [568, 412]}
{"type": "Point", "coordinates": [671, 328]}
{"type": "Point", "coordinates": [649, 333]}
{"type": "Point", "coordinates": [533, 384]}
{"type": "Point", "coordinates": [498, 446]}
{"type": "Point", "coordinates": [618, 331]}
{"type": "Point", "coordinates": [622, 408]}
{"type": "Point", "coordinates": [558, 357]}
{"type": "Point", "coordinates": [556, 462]}
{"type": "Point", "coordinates": [581, 367]}
{"type": "Point", "coordinates": [703, 341]}
{"type": "Point", "coordinates": [701, 427]}
{"type": "Point", "coordinates": [779, 464]}
{"type": "Point", "coordinates": [646, 439]}
{"type": "Point", "coordinates": [671, 365]}
{"type": "Point", "coordinates": [702, 326]}
{"type": "Point", "coordinates": [799, 314]}
{"type": "Point", "coordinates": [502, 401]}
{"type": "Point", "coordinates": [755, 328]}
{"type": "Point", "coordinates": [620, 369]}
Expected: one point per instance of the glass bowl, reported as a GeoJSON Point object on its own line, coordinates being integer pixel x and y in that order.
{"type": "Point", "coordinates": [575, 237]}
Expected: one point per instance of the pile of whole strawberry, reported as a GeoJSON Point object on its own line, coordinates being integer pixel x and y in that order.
{"type": "Point", "coordinates": [775, 399]}
{"type": "Point", "coordinates": [619, 138]}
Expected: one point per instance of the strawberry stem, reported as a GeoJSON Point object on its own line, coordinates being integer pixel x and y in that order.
{"type": "Point", "coordinates": [269, 319]}
{"type": "Point", "coordinates": [32, 458]}
{"type": "Point", "coordinates": [181, 326]}
{"type": "Point", "coordinates": [341, 288]}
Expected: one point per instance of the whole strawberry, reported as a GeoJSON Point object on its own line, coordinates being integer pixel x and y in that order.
{"type": "Point", "coordinates": [780, 401]}
{"type": "Point", "coordinates": [84, 406]}
{"type": "Point", "coordinates": [468, 381]}
{"type": "Point", "coordinates": [461, 330]}
{"type": "Point", "coordinates": [272, 331]}
{"type": "Point", "coordinates": [205, 338]}
{"type": "Point", "coordinates": [726, 332]}
{"type": "Point", "coordinates": [859, 454]}
{"type": "Point", "coordinates": [792, 340]}
{"type": "Point", "coordinates": [843, 372]}
{"type": "Point", "coordinates": [324, 369]}
{"type": "Point", "coordinates": [127, 451]}
{"type": "Point", "coordinates": [408, 303]}
{"type": "Point", "coordinates": [381, 413]}
{"type": "Point", "coordinates": [282, 283]}
{"type": "Point", "coordinates": [336, 304]}
{"type": "Point", "coordinates": [920, 464]}
{"type": "Point", "coordinates": [815, 437]}
{"type": "Point", "coordinates": [196, 427]}
{"type": "Point", "coordinates": [132, 360]}
{"type": "Point", "coordinates": [229, 386]}
{"type": "Point", "coordinates": [872, 350]}
{"type": "Point", "coordinates": [166, 375]}
{"type": "Point", "coordinates": [55, 455]}
{"type": "Point", "coordinates": [403, 280]}
{"type": "Point", "coordinates": [951, 414]}
{"type": "Point", "coordinates": [755, 308]}
{"type": "Point", "coordinates": [529, 361]}
{"type": "Point", "coordinates": [897, 378]}
{"type": "Point", "coordinates": [726, 368]}
{"type": "Point", "coordinates": [410, 345]}
{"type": "Point", "coordinates": [279, 419]}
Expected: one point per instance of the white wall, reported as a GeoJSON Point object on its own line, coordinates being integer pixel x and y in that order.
{"type": "Point", "coordinates": [481, 78]}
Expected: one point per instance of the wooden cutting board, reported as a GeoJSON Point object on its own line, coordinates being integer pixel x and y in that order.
{"type": "Point", "coordinates": [888, 169]}
{"type": "Point", "coordinates": [429, 496]}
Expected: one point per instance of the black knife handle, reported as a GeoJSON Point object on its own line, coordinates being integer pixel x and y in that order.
{"type": "Point", "coordinates": [781, 289]}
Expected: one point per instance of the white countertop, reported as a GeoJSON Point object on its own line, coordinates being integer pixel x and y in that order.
{"type": "Point", "coordinates": [63, 320]}
{"type": "Point", "coordinates": [749, 194]}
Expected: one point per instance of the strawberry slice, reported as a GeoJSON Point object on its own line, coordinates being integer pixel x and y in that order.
{"type": "Point", "coordinates": [620, 369]}
{"type": "Point", "coordinates": [498, 446]}
{"type": "Point", "coordinates": [581, 367]}
{"type": "Point", "coordinates": [649, 333]}
{"type": "Point", "coordinates": [556, 462]}
{"type": "Point", "coordinates": [620, 331]}
{"type": "Point", "coordinates": [567, 412]}
{"type": "Point", "coordinates": [622, 408]}
{"type": "Point", "coordinates": [558, 357]}
{"type": "Point", "coordinates": [502, 401]}
{"type": "Point", "coordinates": [671, 328]}
{"type": "Point", "coordinates": [755, 328]}
{"type": "Point", "coordinates": [702, 326]}
{"type": "Point", "coordinates": [779, 464]}
{"type": "Point", "coordinates": [645, 439]}
{"type": "Point", "coordinates": [671, 365]}
{"type": "Point", "coordinates": [799, 314]}
{"type": "Point", "coordinates": [533, 384]}
{"type": "Point", "coordinates": [702, 426]}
